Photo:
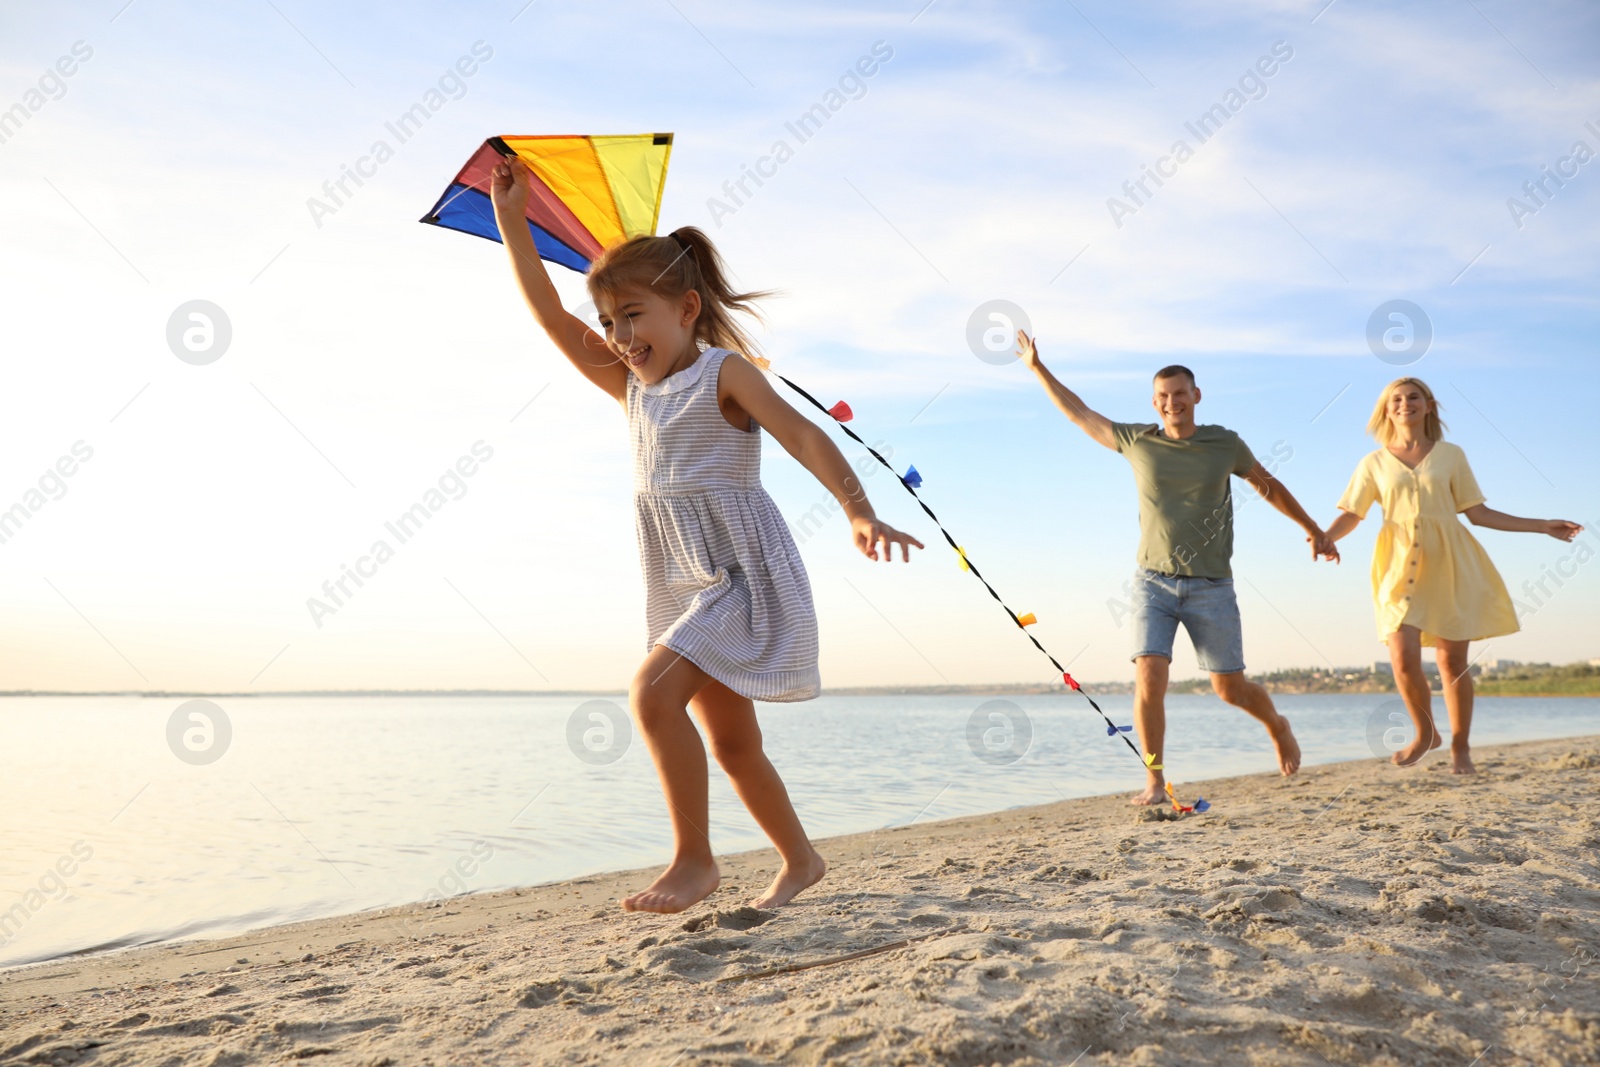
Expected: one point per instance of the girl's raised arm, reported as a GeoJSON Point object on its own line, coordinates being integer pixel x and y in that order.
{"type": "Point", "coordinates": [584, 349]}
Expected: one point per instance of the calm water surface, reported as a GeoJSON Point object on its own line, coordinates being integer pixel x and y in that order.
{"type": "Point", "coordinates": [322, 806]}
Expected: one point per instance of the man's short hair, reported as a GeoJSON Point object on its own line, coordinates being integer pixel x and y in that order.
{"type": "Point", "coordinates": [1173, 371]}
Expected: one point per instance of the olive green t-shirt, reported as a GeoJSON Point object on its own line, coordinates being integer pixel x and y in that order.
{"type": "Point", "coordinates": [1185, 499]}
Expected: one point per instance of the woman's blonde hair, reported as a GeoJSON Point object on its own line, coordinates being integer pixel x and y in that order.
{"type": "Point", "coordinates": [1379, 425]}
{"type": "Point", "coordinates": [670, 266]}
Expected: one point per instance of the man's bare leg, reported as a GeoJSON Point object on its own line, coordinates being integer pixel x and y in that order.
{"type": "Point", "coordinates": [1241, 692]}
{"type": "Point", "coordinates": [1150, 720]}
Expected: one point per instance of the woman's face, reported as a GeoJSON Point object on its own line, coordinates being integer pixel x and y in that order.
{"type": "Point", "coordinates": [1408, 407]}
{"type": "Point", "coordinates": [650, 334]}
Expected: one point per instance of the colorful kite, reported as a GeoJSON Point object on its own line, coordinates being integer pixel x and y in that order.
{"type": "Point", "coordinates": [586, 193]}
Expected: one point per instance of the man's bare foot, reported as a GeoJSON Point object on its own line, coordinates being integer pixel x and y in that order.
{"type": "Point", "coordinates": [1288, 748]}
{"type": "Point", "coordinates": [682, 885]}
{"type": "Point", "coordinates": [1154, 793]}
{"type": "Point", "coordinates": [1417, 749]}
{"type": "Point", "coordinates": [1461, 761]}
{"type": "Point", "coordinates": [791, 881]}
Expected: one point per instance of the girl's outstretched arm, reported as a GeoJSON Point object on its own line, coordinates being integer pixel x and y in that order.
{"type": "Point", "coordinates": [803, 439]}
{"type": "Point", "coordinates": [583, 348]}
{"type": "Point", "coordinates": [1560, 529]}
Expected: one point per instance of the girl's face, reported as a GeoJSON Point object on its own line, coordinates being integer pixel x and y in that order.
{"type": "Point", "coordinates": [652, 335]}
{"type": "Point", "coordinates": [1408, 407]}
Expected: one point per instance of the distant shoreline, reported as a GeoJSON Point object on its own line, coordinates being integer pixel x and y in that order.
{"type": "Point", "coordinates": [1108, 688]}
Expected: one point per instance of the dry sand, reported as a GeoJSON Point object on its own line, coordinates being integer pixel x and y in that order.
{"type": "Point", "coordinates": [1358, 914]}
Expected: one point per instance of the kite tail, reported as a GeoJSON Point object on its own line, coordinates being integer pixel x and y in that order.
{"type": "Point", "coordinates": [969, 565]}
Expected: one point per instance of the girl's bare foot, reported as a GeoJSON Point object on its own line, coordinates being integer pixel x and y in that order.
{"type": "Point", "coordinates": [1154, 793]}
{"type": "Point", "coordinates": [682, 885]}
{"type": "Point", "coordinates": [792, 880]}
{"type": "Point", "coordinates": [1288, 748]}
{"type": "Point", "coordinates": [1417, 749]}
{"type": "Point", "coordinates": [1461, 761]}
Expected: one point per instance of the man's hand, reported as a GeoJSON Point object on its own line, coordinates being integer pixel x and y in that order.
{"type": "Point", "coordinates": [1028, 351]}
{"type": "Point", "coordinates": [1323, 547]}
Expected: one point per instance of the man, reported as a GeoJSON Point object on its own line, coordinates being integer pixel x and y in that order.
{"type": "Point", "coordinates": [1185, 545]}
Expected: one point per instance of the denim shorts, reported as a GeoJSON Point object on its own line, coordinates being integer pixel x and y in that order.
{"type": "Point", "coordinates": [1206, 607]}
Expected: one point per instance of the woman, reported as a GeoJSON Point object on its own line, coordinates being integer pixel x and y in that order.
{"type": "Point", "coordinates": [1432, 583]}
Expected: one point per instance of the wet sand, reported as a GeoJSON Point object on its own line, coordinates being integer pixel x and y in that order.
{"type": "Point", "coordinates": [1356, 914]}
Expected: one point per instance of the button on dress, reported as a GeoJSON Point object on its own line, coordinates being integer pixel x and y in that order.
{"type": "Point", "coordinates": [724, 584]}
{"type": "Point", "coordinates": [1428, 571]}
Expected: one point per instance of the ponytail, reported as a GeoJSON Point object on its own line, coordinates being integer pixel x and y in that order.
{"type": "Point", "coordinates": [670, 266]}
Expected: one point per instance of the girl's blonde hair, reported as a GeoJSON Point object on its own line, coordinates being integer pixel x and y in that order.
{"type": "Point", "coordinates": [1379, 425]}
{"type": "Point", "coordinates": [670, 266]}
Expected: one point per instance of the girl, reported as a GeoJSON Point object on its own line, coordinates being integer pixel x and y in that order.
{"type": "Point", "coordinates": [1433, 583]}
{"type": "Point", "coordinates": [728, 606]}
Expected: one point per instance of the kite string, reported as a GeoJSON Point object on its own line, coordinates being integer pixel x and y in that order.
{"type": "Point", "coordinates": [1070, 681]}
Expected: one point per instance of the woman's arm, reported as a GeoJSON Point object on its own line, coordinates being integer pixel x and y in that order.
{"type": "Point", "coordinates": [584, 349]}
{"type": "Point", "coordinates": [1560, 529]}
{"type": "Point", "coordinates": [808, 443]}
{"type": "Point", "coordinates": [1342, 525]}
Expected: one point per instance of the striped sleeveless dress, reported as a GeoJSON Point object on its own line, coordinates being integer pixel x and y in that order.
{"type": "Point", "coordinates": [724, 584]}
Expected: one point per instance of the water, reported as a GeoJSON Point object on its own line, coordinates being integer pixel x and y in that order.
{"type": "Point", "coordinates": [322, 806]}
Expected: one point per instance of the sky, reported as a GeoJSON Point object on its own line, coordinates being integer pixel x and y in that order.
{"type": "Point", "coordinates": [992, 155]}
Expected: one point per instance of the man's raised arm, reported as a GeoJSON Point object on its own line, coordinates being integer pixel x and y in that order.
{"type": "Point", "coordinates": [1096, 425]}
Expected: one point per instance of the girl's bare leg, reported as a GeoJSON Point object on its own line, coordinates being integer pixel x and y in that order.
{"type": "Point", "coordinates": [659, 699]}
{"type": "Point", "coordinates": [1454, 669]}
{"type": "Point", "coordinates": [735, 735]}
{"type": "Point", "coordinates": [1405, 653]}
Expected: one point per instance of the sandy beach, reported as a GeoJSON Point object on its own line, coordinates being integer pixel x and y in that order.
{"type": "Point", "coordinates": [1357, 914]}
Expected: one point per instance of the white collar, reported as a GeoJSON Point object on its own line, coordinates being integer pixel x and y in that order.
{"type": "Point", "coordinates": [678, 381]}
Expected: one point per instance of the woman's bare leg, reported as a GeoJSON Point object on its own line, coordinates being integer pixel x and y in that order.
{"type": "Point", "coordinates": [735, 736]}
{"type": "Point", "coordinates": [659, 699]}
{"type": "Point", "coordinates": [1455, 671]}
{"type": "Point", "coordinates": [1405, 653]}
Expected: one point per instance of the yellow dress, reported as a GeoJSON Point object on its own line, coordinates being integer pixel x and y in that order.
{"type": "Point", "coordinates": [1428, 571]}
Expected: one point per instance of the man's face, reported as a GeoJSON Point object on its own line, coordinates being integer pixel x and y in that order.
{"type": "Point", "coordinates": [1175, 398]}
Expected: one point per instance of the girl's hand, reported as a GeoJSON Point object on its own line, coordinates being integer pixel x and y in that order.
{"type": "Point", "coordinates": [870, 533]}
{"type": "Point", "coordinates": [1028, 351]}
{"type": "Point", "coordinates": [1561, 529]}
{"type": "Point", "coordinates": [509, 189]}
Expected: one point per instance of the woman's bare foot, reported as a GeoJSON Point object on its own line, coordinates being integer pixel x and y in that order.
{"type": "Point", "coordinates": [1417, 749]}
{"type": "Point", "coordinates": [1288, 748]}
{"type": "Point", "coordinates": [1461, 761]}
{"type": "Point", "coordinates": [791, 881]}
{"type": "Point", "coordinates": [1154, 793]}
{"type": "Point", "coordinates": [682, 885]}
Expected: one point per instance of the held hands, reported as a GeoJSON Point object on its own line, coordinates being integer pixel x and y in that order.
{"type": "Point", "coordinates": [1322, 547]}
{"type": "Point", "coordinates": [1561, 529]}
{"type": "Point", "coordinates": [1028, 351]}
{"type": "Point", "coordinates": [509, 188]}
{"type": "Point", "coordinates": [868, 534]}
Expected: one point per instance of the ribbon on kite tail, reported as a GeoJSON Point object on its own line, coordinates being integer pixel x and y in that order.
{"type": "Point", "coordinates": [841, 414]}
